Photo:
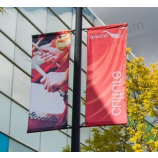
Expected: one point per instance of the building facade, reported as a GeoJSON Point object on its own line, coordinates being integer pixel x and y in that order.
{"type": "Point", "coordinates": [17, 26]}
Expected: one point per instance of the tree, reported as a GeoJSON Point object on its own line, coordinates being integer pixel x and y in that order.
{"type": "Point", "coordinates": [138, 135]}
{"type": "Point", "coordinates": [2, 10]}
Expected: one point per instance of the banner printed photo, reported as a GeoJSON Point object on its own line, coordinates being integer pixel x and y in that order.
{"type": "Point", "coordinates": [106, 75]}
{"type": "Point", "coordinates": [49, 81]}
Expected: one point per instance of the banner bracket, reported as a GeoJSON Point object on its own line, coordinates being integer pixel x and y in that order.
{"type": "Point", "coordinates": [73, 31]}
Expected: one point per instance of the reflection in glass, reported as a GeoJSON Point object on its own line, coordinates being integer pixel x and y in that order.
{"type": "Point", "coordinates": [70, 116]}
{"type": "Point", "coordinates": [83, 84]}
{"type": "Point", "coordinates": [21, 87]}
{"type": "Point", "coordinates": [53, 141]}
{"type": "Point", "coordinates": [89, 15]}
{"type": "Point", "coordinates": [69, 141]}
{"type": "Point", "coordinates": [93, 18]}
{"type": "Point", "coordinates": [71, 71]}
{"type": "Point", "coordinates": [73, 18]}
{"type": "Point", "coordinates": [98, 22]}
{"type": "Point", "coordinates": [5, 106]}
{"type": "Point", "coordinates": [152, 120]}
{"type": "Point", "coordinates": [6, 46]}
{"type": "Point", "coordinates": [86, 24]}
{"type": "Point", "coordinates": [37, 15]}
{"type": "Point", "coordinates": [70, 93]}
{"type": "Point", "coordinates": [23, 60]}
{"type": "Point", "coordinates": [72, 46]}
{"type": "Point", "coordinates": [82, 107]}
{"type": "Point", "coordinates": [17, 147]}
{"type": "Point", "coordinates": [6, 71]}
{"type": "Point", "coordinates": [54, 24]}
{"type": "Point", "coordinates": [18, 129]}
{"type": "Point", "coordinates": [84, 57]}
{"type": "Point", "coordinates": [8, 22]}
{"type": "Point", "coordinates": [85, 133]}
{"type": "Point", "coordinates": [69, 119]}
{"type": "Point", "coordinates": [91, 133]}
{"type": "Point", "coordinates": [24, 33]}
{"type": "Point", "coordinates": [131, 57]}
{"type": "Point", "coordinates": [65, 13]}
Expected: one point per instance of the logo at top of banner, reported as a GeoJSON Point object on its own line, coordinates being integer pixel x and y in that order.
{"type": "Point", "coordinates": [117, 35]}
{"type": "Point", "coordinates": [122, 28]}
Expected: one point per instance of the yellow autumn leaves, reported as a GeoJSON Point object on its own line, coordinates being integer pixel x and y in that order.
{"type": "Point", "coordinates": [141, 133]}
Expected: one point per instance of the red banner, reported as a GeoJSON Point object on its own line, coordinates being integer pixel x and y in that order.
{"type": "Point", "coordinates": [106, 75]}
{"type": "Point", "coordinates": [49, 81]}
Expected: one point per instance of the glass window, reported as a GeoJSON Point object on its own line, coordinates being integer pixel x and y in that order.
{"type": "Point", "coordinates": [69, 120]}
{"type": "Point", "coordinates": [70, 116]}
{"type": "Point", "coordinates": [6, 46]}
{"type": "Point", "coordinates": [54, 24]}
{"type": "Point", "coordinates": [84, 132]}
{"type": "Point", "coordinates": [70, 93]}
{"type": "Point", "coordinates": [65, 13]}
{"type": "Point", "coordinates": [97, 22]}
{"type": "Point", "coordinates": [23, 60]}
{"type": "Point", "coordinates": [82, 107]}
{"type": "Point", "coordinates": [8, 22]}
{"type": "Point", "coordinates": [37, 15]}
{"type": "Point", "coordinates": [3, 143]}
{"type": "Point", "coordinates": [5, 106]}
{"type": "Point", "coordinates": [152, 120]}
{"type": "Point", "coordinates": [83, 84]}
{"type": "Point", "coordinates": [88, 14]}
{"type": "Point", "coordinates": [91, 134]}
{"type": "Point", "coordinates": [71, 71]}
{"type": "Point", "coordinates": [82, 120]}
{"type": "Point", "coordinates": [17, 147]}
{"type": "Point", "coordinates": [69, 141]}
{"type": "Point", "coordinates": [84, 57]}
{"type": "Point", "coordinates": [131, 57]}
{"type": "Point", "coordinates": [70, 109]}
{"type": "Point", "coordinates": [24, 33]}
{"type": "Point", "coordinates": [69, 133]}
{"type": "Point", "coordinates": [18, 128]}
{"type": "Point", "coordinates": [6, 72]}
{"type": "Point", "coordinates": [85, 24]}
{"type": "Point", "coordinates": [72, 46]}
{"type": "Point", "coordinates": [53, 141]}
{"type": "Point", "coordinates": [73, 18]}
{"type": "Point", "coordinates": [127, 57]}
{"type": "Point", "coordinates": [21, 87]}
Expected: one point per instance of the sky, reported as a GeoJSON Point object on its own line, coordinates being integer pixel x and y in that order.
{"type": "Point", "coordinates": [142, 35]}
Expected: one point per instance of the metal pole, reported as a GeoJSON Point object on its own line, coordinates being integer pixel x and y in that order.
{"type": "Point", "coordinates": [75, 139]}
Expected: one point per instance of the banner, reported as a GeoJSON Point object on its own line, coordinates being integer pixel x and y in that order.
{"type": "Point", "coordinates": [49, 81]}
{"type": "Point", "coordinates": [106, 75]}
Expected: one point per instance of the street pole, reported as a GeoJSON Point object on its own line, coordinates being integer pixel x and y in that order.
{"type": "Point", "coordinates": [75, 139]}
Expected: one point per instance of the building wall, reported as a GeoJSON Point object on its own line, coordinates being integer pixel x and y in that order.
{"type": "Point", "coordinates": [16, 30]}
